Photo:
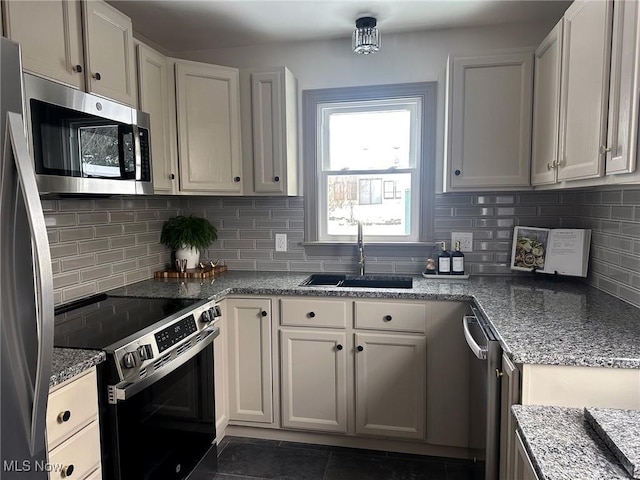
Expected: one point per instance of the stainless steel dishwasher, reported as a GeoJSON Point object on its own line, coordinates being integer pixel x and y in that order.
{"type": "Point", "coordinates": [484, 367]}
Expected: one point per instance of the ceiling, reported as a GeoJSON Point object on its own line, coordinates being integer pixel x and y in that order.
{"type": "Point", "coordinates": [184, 25]}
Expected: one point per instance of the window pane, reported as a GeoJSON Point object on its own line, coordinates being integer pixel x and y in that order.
{"type": "Point", "coordinates": [381, 216]}
{"type": "Point", "coordinates": [369, 140]}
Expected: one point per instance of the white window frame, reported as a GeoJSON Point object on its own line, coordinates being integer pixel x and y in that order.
{"type": "Point", "coordinates": [311, 100]}
{"type": "Point", "coordinates": [324, 111]}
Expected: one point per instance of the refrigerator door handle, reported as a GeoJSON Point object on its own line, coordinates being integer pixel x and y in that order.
{"type": "Point", "coordinates": [26, 191]}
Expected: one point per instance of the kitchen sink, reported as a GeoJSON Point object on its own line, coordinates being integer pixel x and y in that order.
{"type": "Point", "coordinates": [361, 281]}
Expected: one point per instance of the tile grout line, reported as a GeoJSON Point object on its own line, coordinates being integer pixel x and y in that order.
{"type": "Point", "coordinates": [326, 467]}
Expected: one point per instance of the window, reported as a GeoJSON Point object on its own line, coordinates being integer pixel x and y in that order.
{"type": "Point", "coordinates": [372, 150]}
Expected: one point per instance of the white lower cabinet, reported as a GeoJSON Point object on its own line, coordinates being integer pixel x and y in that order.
{"type": "Point", "coordinates": [221, 378]}
{"type": "Point", "coordinates": [358, 371]}
{"type": "Point", "coordinates": [391, 379]}
{"type": "Point", "coordinates": [250, 369]}
{"type": "Point", "coordinates": [73, 431]}
{"type": "Point", "coordinates": [523, 467]}
{"type": "Point", "coordinates": [314, 379]}
{"type": "Point", "coordinates": [510, 395]}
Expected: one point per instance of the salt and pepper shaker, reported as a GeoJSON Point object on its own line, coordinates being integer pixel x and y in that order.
{"type": "Point", "coordinates": [181, 264]}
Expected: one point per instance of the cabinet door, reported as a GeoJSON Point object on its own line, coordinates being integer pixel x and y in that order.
{"type": "Point", "coordinates": [584, 91]}
{"type": "Point", "coordinates": [314, 380]}
{"type": "Point", "coordinates": [523, 468]}
{"type": "Point", "coordinates": [390, 385]}
{"type": "Point", "coordinates": [50, 33]}
{"type": "Point", "coordinates": [623, 95]}
{"type": "Point", "coordinates": [510, 395]}
{"type": "Point", "coordinates": [546, 108]}
{"type": "Point", "coordinates": [208, 128]}
{"type": "Point", "coordinates": [250, 369]}
{"type": "Point", "coordinates": [274, 116]}
{"type": "Point", "coordinates": [221, 378]}
{"type": "Point", "coordinates": [154, 98]}
{"type": "Point", "coordinates": [489, 125]}
{"type": "Point", "coordinates": [108, 38]}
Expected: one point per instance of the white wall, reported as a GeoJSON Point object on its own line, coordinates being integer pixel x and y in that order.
{"type": "Point", "coordinates": [403, 58]}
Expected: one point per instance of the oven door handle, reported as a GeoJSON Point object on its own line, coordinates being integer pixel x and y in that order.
{"type": "Point", "coordinates": [478, 351]}
{"type": "Point", "coordinates": [125, 390]}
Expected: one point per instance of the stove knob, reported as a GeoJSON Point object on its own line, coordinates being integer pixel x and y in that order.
{"type": "Point", "coordinates": [145, 352]}
{"type": "Point", "coordinates": [130, 360]}
{"type": "Point", "coordinates": [205, 317]}
{"type": "Point", "coordinates": [212, 313]}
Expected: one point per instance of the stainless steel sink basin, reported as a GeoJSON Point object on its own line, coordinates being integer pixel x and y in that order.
{"type": "Point", "coordinates": [362, 281]}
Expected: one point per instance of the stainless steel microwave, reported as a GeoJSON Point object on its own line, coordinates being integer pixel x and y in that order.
{"type": "Point", "coordinates": [85, 144]}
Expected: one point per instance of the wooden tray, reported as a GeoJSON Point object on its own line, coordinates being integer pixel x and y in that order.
{"type": "Point", "coordinates": [205, 272]}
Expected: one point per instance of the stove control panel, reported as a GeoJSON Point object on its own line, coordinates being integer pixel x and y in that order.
{"type": "Point", "coordinates": [157, 347]}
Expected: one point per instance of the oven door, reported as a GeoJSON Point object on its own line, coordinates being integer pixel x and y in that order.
{"type": "Point", "coordinates": [162, 431]}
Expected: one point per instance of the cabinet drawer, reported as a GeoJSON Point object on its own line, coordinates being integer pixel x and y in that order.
{"type": "Point", "coordinates": [77, 402]}
{"type": "Point", "coordinates": [400, 317]}
{"type": "Point", "coordinates": [82, 451]}
{"type": "Point", "coordinates": [314, 313]}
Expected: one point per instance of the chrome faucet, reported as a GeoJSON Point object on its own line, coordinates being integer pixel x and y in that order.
{"type": "Point", "coordinates": [360, 244]}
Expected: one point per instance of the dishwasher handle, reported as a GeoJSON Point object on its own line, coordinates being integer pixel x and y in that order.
{"type": "Point", "coordinates": [478, 351]}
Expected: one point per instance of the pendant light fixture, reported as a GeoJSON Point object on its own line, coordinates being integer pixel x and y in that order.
{"type": "Point", "coordinates": [366, 38]}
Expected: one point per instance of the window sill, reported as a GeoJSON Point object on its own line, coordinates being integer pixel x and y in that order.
{"type": "Point", "coordinates": [386, 249]}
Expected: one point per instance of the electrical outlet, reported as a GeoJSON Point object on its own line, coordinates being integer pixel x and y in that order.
{"type": "Point", "coordinates": [281, 242]}
{"type": "Point", "coordinates": [465, 239]}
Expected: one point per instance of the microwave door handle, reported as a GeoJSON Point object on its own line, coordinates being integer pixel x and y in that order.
{"type": "Point", "coordinates": [25, 187]}
{"type": "Point", "coordinates": [138, 152]}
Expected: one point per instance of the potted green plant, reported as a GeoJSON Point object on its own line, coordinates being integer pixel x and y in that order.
{"type": "Point", "coordinates": [187, 236]}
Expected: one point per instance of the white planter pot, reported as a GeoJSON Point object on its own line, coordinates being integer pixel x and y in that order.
{"type": "Point", "coordinates": [191, 254]}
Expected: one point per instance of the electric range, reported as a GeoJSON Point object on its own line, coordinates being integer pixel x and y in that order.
{"type": "Point", "coordinates": [156, 388]}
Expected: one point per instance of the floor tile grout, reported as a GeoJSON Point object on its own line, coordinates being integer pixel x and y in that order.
{"type": "Point", "coordinates": [352, 462]}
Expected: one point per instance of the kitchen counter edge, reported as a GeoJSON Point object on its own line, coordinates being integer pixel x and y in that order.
{"type": "Point", "coordinates": [538, 321]}
{"type": "Point", "coordinates": [70, 362]}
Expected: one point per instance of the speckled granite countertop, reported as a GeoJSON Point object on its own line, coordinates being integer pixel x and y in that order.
{"type": "Point", "coordinates": [68, 362]}
{"type": "Point", "coordinates": [563, 446]}
{"type": "Point", "coordinates": [620, 430]}
{"type": "Point", "coordinates": [539, 321]}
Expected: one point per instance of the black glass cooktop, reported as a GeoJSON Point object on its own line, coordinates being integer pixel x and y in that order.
{"type": "Point", "coordinates": [100, 321]}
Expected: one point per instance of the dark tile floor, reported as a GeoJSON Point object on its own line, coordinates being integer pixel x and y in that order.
{"type": "Point", "coordinates": [252, 459]}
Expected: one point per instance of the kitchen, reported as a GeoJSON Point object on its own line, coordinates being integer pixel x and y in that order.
{"type": "Point", "coordinates": [98, 244]}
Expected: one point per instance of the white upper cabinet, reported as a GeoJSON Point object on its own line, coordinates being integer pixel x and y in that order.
{"type": "Point", "coordinates": [584, 92]}
{"type": "Point", "coordinates": [108, 38]}
{"type": "Point", "coordinates": [546, 108]}
{"type": "Point", "coordinates": [488, 125]}
{"type": "Point", "coordinates": [50, 33]}
{"type": "Point", "coordinates": [156, 100]}
{"type": "Point", "coordinates": [623, 94]}
{"type": "Point", "coordinates": [209, 149]}
{"type": "Point", "coordinates": [274, 129]}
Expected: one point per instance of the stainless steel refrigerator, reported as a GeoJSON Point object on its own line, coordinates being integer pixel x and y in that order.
{"type": "Point", "coordinates": [26, 290]}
